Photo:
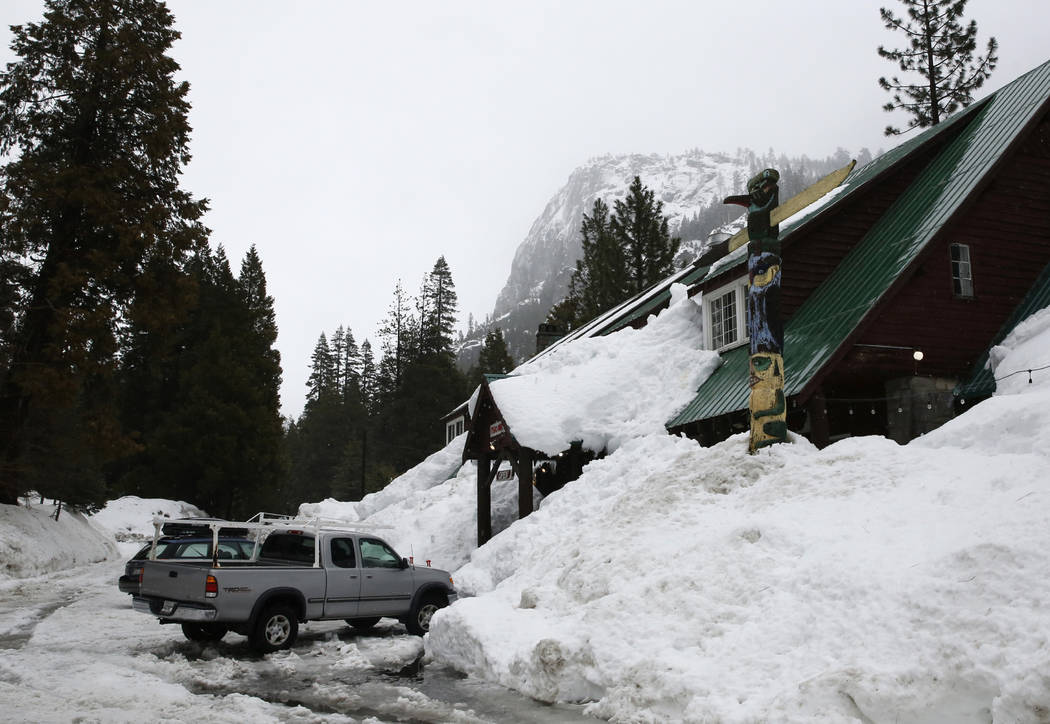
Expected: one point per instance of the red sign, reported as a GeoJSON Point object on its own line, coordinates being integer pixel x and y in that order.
{"type": "Point", "coordinates": [496, 429]}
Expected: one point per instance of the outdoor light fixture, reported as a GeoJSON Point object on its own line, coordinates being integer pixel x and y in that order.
{"type": "Point", "coordinates": [918, 355]}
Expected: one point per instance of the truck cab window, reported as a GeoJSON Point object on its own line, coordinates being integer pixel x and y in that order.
{"type": "Point", "coordinates": [343, 553]}
{"type": "Point", "coordinates": [376, 554]}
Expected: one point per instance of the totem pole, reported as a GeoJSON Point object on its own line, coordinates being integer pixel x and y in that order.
{"type": "Point", "coordinates": [764, 325]}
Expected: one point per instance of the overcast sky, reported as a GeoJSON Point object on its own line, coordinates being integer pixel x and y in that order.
{"type": "Point", "coordinates": [355, 142]}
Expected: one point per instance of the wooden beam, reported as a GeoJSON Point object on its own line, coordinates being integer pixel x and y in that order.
{"type": "Point", "coordinates": [524, 470]}
{"type": "Point", "coordinates": [485, 499]}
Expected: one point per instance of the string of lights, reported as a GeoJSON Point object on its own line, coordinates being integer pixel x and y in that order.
{"type": "Point", "coordinates": [931, 398]}
{"type": "Point", "coordinates": [1021, 372]}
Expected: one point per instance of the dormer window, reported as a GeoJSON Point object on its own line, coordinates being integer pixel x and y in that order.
{"type": "Point", "coordinates": [724, 316]}
{"type": "Point", "coordinates": [962, 276]}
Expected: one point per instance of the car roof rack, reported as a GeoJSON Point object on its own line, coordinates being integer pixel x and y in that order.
{"type": "Point", "coordinates": [260, 525]}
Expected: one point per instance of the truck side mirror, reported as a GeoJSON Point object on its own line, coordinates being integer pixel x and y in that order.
{"type": "Point", "coordinates": [404, 563]}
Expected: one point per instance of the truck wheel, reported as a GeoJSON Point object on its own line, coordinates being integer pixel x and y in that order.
{"type": "Point", "coordinates": [418, 622]}
{"type": "Point", "coordinates": [275, 629]}
{"type": "Point", "coordinates": [363, 624]}
{"type": "Point", "coordinates": [203, 631]}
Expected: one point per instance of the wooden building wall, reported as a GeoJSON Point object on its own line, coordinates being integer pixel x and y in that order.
{"type": "Point", "coordinates": [1007, 230]}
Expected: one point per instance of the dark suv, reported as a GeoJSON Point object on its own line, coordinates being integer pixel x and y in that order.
{"type": "Point", "coordinates": [197, 548]}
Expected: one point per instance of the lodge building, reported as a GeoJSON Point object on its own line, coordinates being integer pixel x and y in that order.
{"type": "Point", "coordinates": [896, 283]}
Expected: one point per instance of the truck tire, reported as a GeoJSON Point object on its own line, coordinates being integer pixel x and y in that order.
{"type": "Point", "coordinates": [363, 624]}
{"type": "Point", "coordinates": [418, 622]}
{"type": "Point", "coordinates": [204, 631]}
{"type": "Point", "coordinates": [276, 628]}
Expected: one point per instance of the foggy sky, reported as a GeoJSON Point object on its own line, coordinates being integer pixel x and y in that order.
{"type": "Point", "coordinates": [355, 142]}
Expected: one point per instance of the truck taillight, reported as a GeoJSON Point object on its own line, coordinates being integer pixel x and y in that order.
{"type": "Point", "coordinates": [211, 587]}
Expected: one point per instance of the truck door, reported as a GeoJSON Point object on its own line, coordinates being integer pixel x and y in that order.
{"type": "Point", "coordinates": [386, 586]}
{"type": "Point", "coordinates": [344, 580]}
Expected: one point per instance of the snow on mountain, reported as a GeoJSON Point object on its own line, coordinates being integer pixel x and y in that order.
{"type": "Point", "coordinates": [545, 259]}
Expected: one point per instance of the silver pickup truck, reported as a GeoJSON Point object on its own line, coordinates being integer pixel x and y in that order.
{"type": "Point", "coordinates": [302, 571]}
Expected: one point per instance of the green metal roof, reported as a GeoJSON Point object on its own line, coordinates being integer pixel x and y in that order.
{"type": "Point", "coordinates": [836, 308]}
{"type": "Point", "coordinates": [982, 382]}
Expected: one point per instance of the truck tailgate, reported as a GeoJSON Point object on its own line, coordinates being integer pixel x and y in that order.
{"type": "Point", "coordinates": [174, 581]}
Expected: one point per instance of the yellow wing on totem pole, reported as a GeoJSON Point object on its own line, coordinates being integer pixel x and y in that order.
{"type": "Point", "coordinates": [798, 202]}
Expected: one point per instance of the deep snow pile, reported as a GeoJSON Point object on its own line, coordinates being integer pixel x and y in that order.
{"type": "Point", "coordinates": [863, 582]}
{"type": "Point", "coordinates": [430, 512]}
{"type": "Point", "coordinates": [606, 390]}
{"type": "Point", "coordinates": [32, 542]}
{"type": "Point", "coordinates": [131, 517]}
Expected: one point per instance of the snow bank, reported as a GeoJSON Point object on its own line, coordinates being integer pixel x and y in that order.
{"type": "Point", "coordinates": [131, 518]}
{"type": "Point", "coordinates": [605, 390]}
{"type": "Point", "coordinates": [430, 512]}
{"type": "Point", "coordinates": [434, 470]}
{"type": "Point", "coordinates": [1026, 348]}
{"type": "Point", "coordinates": [865, 582]}
{"type": "Point", "coordinates": [32, 542]}
{"type": "Point", "coordinates": [795, 585]}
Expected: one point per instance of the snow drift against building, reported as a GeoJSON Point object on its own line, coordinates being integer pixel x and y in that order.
{"type": "Point", "coordinates": [863, 582]}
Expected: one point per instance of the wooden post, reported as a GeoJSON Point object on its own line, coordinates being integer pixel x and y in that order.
{"type": "Point", "coordinates": [484, 499]}
{"type": "Point", "coordinates": [816, 409]}
{"type": "Point", "coordinates": [524, 470]}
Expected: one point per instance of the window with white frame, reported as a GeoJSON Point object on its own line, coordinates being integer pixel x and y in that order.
{"type": "Point", "coordinates": [454, 427]}
{"type": "Point", "coordinates": [725, 313]}
{"type": "Point", "coordinates": [962, 275]}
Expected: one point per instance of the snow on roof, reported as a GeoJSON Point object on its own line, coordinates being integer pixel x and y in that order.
{"type": "Point", "coordinates": [605, 390]}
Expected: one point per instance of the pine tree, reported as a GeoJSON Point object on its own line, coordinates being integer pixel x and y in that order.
{"type": "Point", "coordinates": [642, 231]}
{"type": "Point", "coordinates": [600, 280]}
{"type": "Point", "coordinates": [321, 381]}
{"type": "Point", "coordinates": [203, 402]}
{"type": "Point", "coordinates": [260, 457]}
{"type": "Point", "coordinates": [398, 339]}
{"type": "Point", "coordinates": [941, 52]}
{"type": "Point", "coordinates": [351, 366]}
{"type": "Point", "coordinates": [494, 357]}
{"type": "Point", "coordinates": [95, 133]}
{"type": "Point", "coordinates": [338, 353]}
{"type": "Point", "coordinates": [368, 377]}
{"type": "Point", "coordinates": [438, 311]}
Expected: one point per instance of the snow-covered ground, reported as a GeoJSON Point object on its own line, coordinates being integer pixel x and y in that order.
{"type": "Point", "coordinates": [866, 582]}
